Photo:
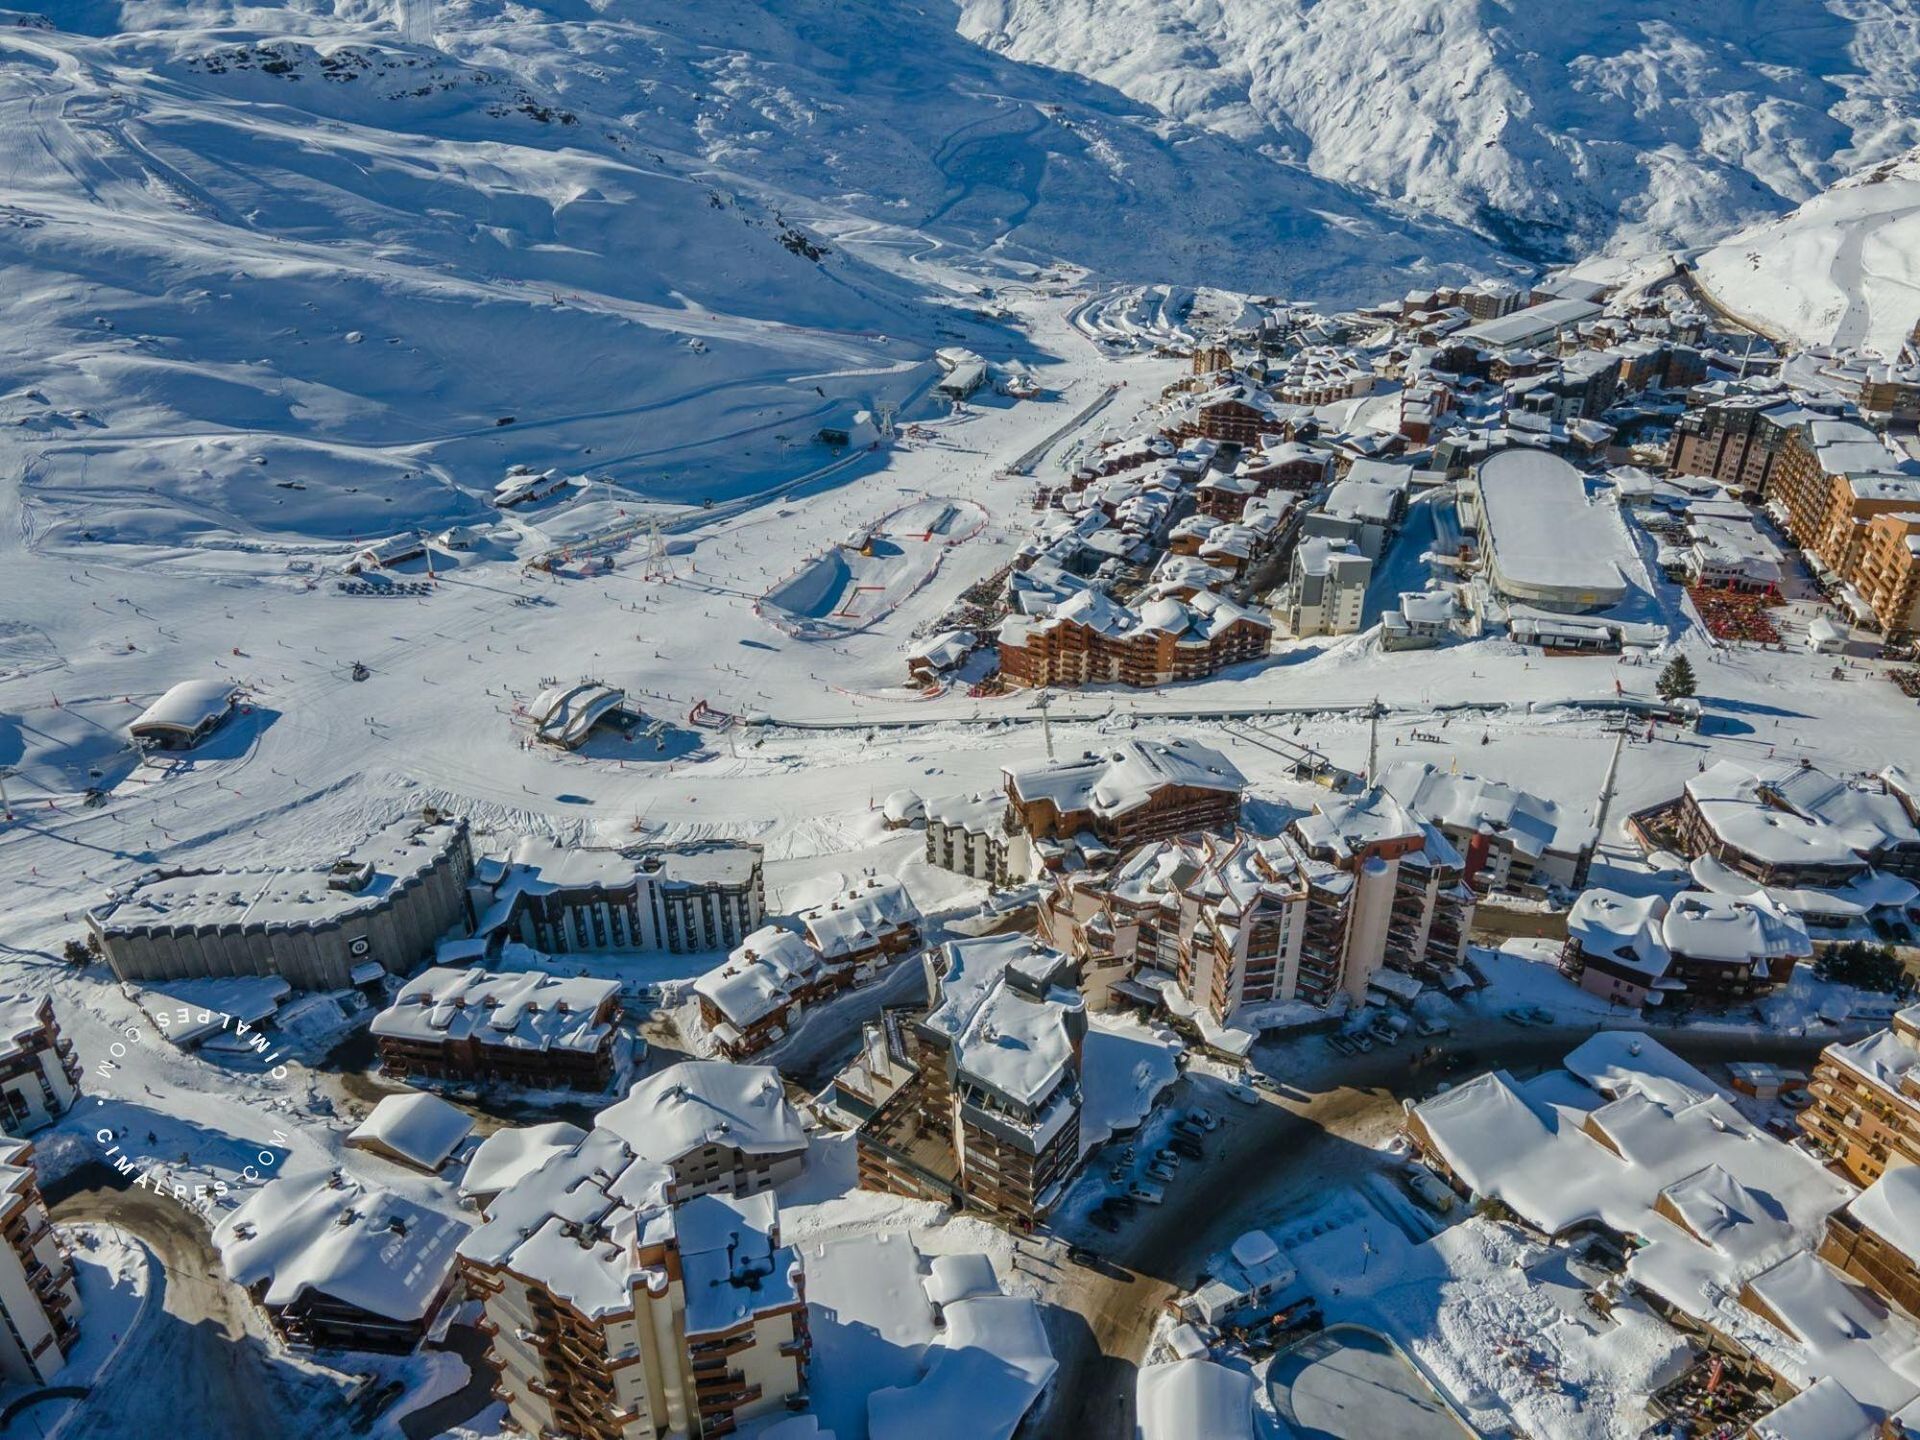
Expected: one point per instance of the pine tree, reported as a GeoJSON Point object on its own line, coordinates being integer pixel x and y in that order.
{"type": "Point", "coordinates": [1677, 681]}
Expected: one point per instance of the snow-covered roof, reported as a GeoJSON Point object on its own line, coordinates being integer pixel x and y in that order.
{"type": "Point", "coordinates": [311, 894]}
{"type": "Point", "coordinates": [761, 974]}
{"type": "Point", "coordinates": [1193, 1400]}
{"type": "Point", "coordinates": [185, 708]}
{"type": "Point", "coordinates": [1621, 928]}
{"type": "Point", "coordinates": [1547, 541]}
{"type": "Point", "coordinates": [1532, 825]}
{"type": "Point", "coordinates": [20, 1021]}
{"type": "Point", "coordinates": [732, 1265]}
{"type": "Point", "coordinates": [1783, 813]}
{"type": "Point", "coordinates": [991, 1364]}
{"type": "Point", "coordinates": [984, 812]}
{"type": "Point", "coordinates": [1014, 1039]}
{"type": "Point", "coordinates": [1890, 1208]}
{"type": "Point", "coordinates": [865, 914]}
{"type": "Point", "coordinates": [507, 1156]}
{"type": "Point", "coordinates": [1842, 1331]}
{"type": "Point", "coordinates": [517, 1009]}
{"type": "Point", "coordinates": [1349, 825]}
{"type": "Point", "coordinates": [178, 1008]}
{"type": "Point", "coordinates": [563, 714]}
{"type": "Point", "coordinates": [419, 1128]}
{"type": "Point", "coordinates": [702, 1102]}
{"type": "Point", "coordinates": [1126, 777]}
{"type": "Point", "coordinates": [1825, 1410]}
{"type": "Point", "coordinates": [359, 1244]}
{"type": "Point", "coordinates": [1713, 1199]}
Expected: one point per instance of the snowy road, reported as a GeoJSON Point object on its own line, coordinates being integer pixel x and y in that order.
{"type": "Point", "coordinates": [205, 1338]}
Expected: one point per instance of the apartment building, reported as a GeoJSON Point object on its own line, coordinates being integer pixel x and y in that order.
{"type": "Point", "coordinates": [382, 906]}
{"type": "Point", "coordinates": [1737, 439]}
{"type": "Point", "coordinates": [1648, 950]}
{"type": "Point", "coordinates": [1887, 571]}
{"type": "Point", "coordinates": [337, 1263]}
{"type": "Point", "coordinates": [1865, 1113]}
{"type": "Point", "coordinates": [765, 984]}
{"type": "Point", "coordinates": [1832, 478]}
{"type": "Point", "coordinates": [1091, 639]}
{"type": "Point", "coordinates": [1216, 927]}
{"type": "Point", "coordinates": [633, 1291]}
{"type": "Point", "coordinates": [560, 899]}
{"type": "Point", "coordinates": [1326, 589]}
{"type": "Point", "coordinates": [39, 1071]}
{"type": "Point", "coordinates": [990, 1115]}
{"type": "Point", "coordinates": [1392, 894]}
{"type": "Point", "coordinates": [1509, 839]}
{"type": "Point", "coordinates": [1828, 849]}
{"type": "Point", "coordinates": [39, 1302]}
{"type": "Point", "coordinates": [1098, 805]}
{"type": "Point", "coordinates": [523, 1026]}
{"type": "Point", "coordinates": [1875, 1238]}
{"type": "Point", "coordinates": [971, 835]}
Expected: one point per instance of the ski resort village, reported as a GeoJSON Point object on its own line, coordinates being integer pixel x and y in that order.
{"type": "Point", "coordinates": [694, 745]}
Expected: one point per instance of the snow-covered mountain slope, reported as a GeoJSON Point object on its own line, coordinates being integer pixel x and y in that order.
{"type": "Point", "coordinates": [275, 271]}
{"type": "Point", "coordinates": [1557, 128]}
{"type": "Point", "coordinates": [1842, 269]}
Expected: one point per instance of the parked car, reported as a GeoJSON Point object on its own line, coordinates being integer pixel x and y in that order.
{"type": "Point", "coordinates": [1521, 1015]}
{"type": "Point", "coordinates": [1080, 1255]}
{"type": "Point", "coordinates": [1187, 1148]}
{"type": "Point", "coordinates": [1189, 1128]}
{"type": "Point", "coordinates": [1384, 1032]}
{"type": "Point", "coordinates": [1244, 1094]}
{"type": "Point", "coordinates": [1106, 1219]}
{"type": "Point", "coordinates": [1360, 1039]}
{"type": "Point", "coordinates": [1782, 1128]}
{"type": "Point", "coordinates": [1206, 1119]}
{"type": "Point", "coordinates": [1432, 1025]}
{"type": "Point", "coordinates": [1147, 1191]}
{"type": "Point", "coordinates": [1122, 1204]}
{"type": "Point", "coordinates": [1796, 1098]}
{"type": "Point", "coordinates": [1163, 1172]}
{"type": "Point", "coordinates": [1342, 1043]}
{"type": "Point", "coordinates": [1263, 1081]}
{"type": "Point", "coordinates": [1430, 1190]}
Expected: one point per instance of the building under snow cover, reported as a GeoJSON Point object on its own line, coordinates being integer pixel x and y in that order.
{"type": "Point", "coordinates": [1875, 1238]}
{"type": "Point", "coordinates": [972, 835]}
{"type": "Point", "coordinates": [1723, 1219]}
{"type": "Point", "coordinates": [338, 1263]}
{"type": "Point", "coordinates": [634, 1283]}
{"type": "Point", "coordinates": [184, 716]}
{"type": "Point", "coordinates": [1224, 928]}
{"type": "Point", "coordinates": [1096, 806]}
{"type": "Point", "coordinates": [1092, 639]}
{"type": "Point", "coordinates": [507, 1156]}
{"type": "Point", "coordinates": [990, 1115]}
{"type": "Point", "coordinates": [752, 999]}
{"type": "Point", "coordinates": [39, 1072]}
{"type": "Point", "coordinates": [1865, 1113]}
{"type": "Point", "coordinates": [1509, 839]}
{"type": "Point", "coordinates": [1545, 543]}
{"type": "Point", "coordinates": [524, 1026]}
{"type": "Point", "coordinates": [1642, 950]}
{"type": "Point", "coordinates": [381, 906]}
{"type": "Point", "coordinates": [415, 1129]}
{"type": "Point", "coordinates": [565, 715]}
{"type": "Point", "coordinates": [39, 1302]}
{"type": "Point", "coordinates": [561, 900]}
{"type": "Point", "coordinates": [1831, 850]}
{"type": "Point", "coordinates": [1193, 1400]}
